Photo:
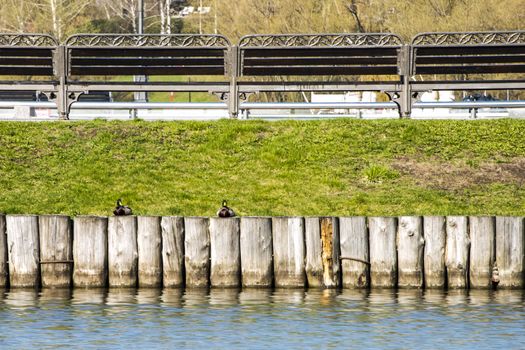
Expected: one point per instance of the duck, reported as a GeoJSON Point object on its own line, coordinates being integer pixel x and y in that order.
{"type": "Point", "coordinates": [225, 211]}
{"type": "Point", "coordinates": [121, 210]}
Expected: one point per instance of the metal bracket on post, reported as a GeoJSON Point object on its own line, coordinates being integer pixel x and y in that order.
{"type": "Point", "coordinates": [243, 96]}
{"type": "Point", "coordinates": [233, 98]}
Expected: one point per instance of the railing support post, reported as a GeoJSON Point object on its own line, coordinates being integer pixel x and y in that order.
{"type": "Point", "coordinates": [405, 101]}
{"type": "Point", "coordinates": [233, 98]}
{"type": "Point", "coordinates": [60, 64]}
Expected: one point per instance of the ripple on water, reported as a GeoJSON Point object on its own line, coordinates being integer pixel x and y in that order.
{"type": "Point", "coordinates": [261, 318]}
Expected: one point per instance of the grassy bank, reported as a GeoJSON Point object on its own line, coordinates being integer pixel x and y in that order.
{"type": "Point", "coordinates": [335, 167]}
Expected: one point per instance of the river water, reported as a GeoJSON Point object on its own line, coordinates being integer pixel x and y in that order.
{"type": "Point", "coordinates": [261, 319]}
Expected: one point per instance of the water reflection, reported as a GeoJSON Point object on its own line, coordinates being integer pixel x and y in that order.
{"type": "Point", "coordinates": [88, 296]}
{"type": "Point", "coordinates": [221, 298]}
{"type": "Point", "coordinates": [287, 318]}
{"type": "Point", "coordinates": [21, 298]}
{"type": "Point", "coordinates": [172, 297]}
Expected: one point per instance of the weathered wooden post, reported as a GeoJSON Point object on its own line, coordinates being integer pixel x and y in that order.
{"type": "Point", "coordinates": [56, 250]}
{"type": "Point", "coordinates": [457, 252]}
{"type": "Point", "coordinates": [197, 251]}
{"type": "Point", "coordinates": [225, 252]}
{"type": "Point", "coordinates": [288, 251]}
{"type": "Point", "coordinates": [172, 229]}
{"type": "Point", "coordinates": [149, 241]}
{"type": "Point", "coordinates": [383, 257]}
{"type": "Point", "coordinates": [410, 247]}
{"type": "Point", "coordinates": [322, 252]}
{"type": "Point", "coordinates": [24, 260]}
{"type": "Point", "coordinates": [4, 268]}
{"type": "Point", "coordinates": [482, 238]}
{"type": "Point", "coordinates": [509, 251]}
{"type": "Point", "coordinates": [256, 252]}
{"type": "Point", "coordinates": [354, 252]}
{"type": "Point", "coordinates": [434, 232]}
{"type": "Point", "coordinates": [122, 251]}
{"type": "Point", "coordinates": [90, 251]}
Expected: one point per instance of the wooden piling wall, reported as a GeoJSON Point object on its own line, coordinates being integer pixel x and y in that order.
{"type": "Point", "coordinates": [56, 250]}
{"type": "Point", "coordinates": [23, 250]}
{"type": "Point", "coordinates": [455, 252]}
{"type": "Point", "coordinates": [4, 267]}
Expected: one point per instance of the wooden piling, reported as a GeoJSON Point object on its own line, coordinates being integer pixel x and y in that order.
{"type": "Point", "coordinates": [354, 252]}
{"type": "Point", "coordinates": [410, 247]}
{"type": "Point", "coordinates": [90, 251]}
{"type": "Point", "coordinates": [122, 251]}
{"type": "Point", "coordinates": [457, 252]}
{"type": "Point", "coordinates": [172, 230]}
{"type": "Point", "coordinates": [24, 251]}
{"type": "Point", "coordinates": [482, 250]}
{"type": "Point", "coordinates": [322, 252]}
{"type": "Point", "coordinates": [149, 241]}
{"type": "Point", "coordinates": [4, 268]}
{"type": "Point", "coordinates": [510, 249]}
{"type": "Point", "coordinates": [383, 256]}
{"type": "Point", "coordinates": [225, 252]}
{"type": "Point", "coordinates": [434, 233]}
{"type": "Point", "coordinates": [314, 262]}
{"type": "Point", "coordinates": [56, 250]}
{"type": "Point", "coordinates": [288, 252]}
{"type": "Point", "coordinates": [197, 252]}
{"type": "Point", "coordinates": [256, 252]}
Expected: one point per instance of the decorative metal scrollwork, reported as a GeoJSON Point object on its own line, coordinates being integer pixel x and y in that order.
{"type": "Point", "coordinates": [27, 40]}
{"type": "Point", "coordinates": [148, 40]}
{"type": "Point", "coordinates": [320, 40]}
{"type": "Point", "coordinates": [471, 38]}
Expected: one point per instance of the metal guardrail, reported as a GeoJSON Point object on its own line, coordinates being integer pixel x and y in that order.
{"type": "Point", "coordinates": [382, 55]}
{"type": "Point", "coordinates": [247, 107]}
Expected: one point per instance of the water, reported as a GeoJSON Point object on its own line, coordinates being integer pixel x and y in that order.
{"type": "Point", "coordinates": [261, 319]}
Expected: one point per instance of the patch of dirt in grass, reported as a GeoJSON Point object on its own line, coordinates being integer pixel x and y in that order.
{"type": "Point", "coordinates": [453, 176]}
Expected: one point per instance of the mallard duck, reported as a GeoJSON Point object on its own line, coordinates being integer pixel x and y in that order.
{"type": "Point", "coordinates": [121, 210]}
{"type": "Point", "coordinates": [225, 211]}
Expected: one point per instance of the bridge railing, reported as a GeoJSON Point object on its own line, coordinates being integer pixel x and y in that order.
{"type": "Point", "coordinates": [37, 64]}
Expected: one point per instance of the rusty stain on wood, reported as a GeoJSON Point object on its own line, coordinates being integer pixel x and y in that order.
{"type": "Point", "coordinates": [327, 240]}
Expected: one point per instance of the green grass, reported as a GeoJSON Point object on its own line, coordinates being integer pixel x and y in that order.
{"type": "Point", "coordinates": [331, 167]}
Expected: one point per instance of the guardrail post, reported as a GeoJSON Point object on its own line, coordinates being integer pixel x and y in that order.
{"type": "Point", "coordinates": [233, 99]}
